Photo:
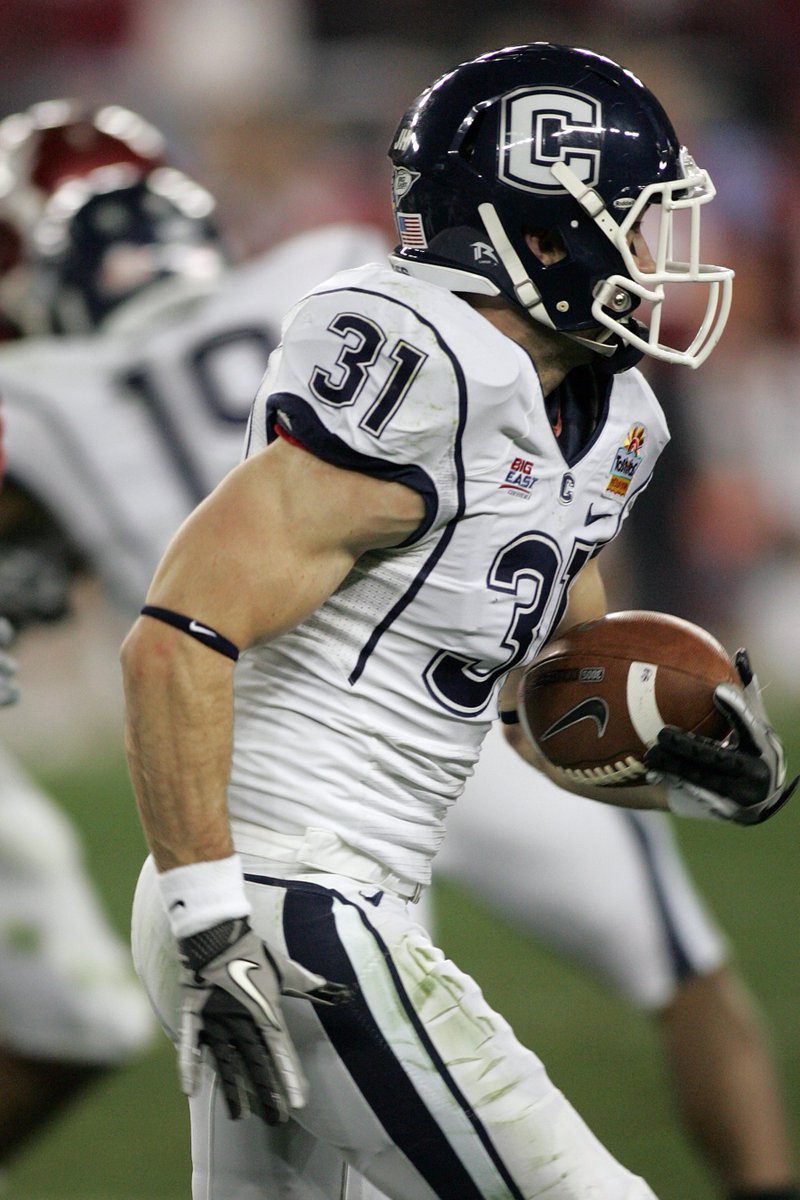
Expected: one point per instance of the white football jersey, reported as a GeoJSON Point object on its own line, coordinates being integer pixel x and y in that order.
{"type": "Point", "coordinates": [367, 718]}
{"type": "Point", "coordinates": [121, 434]}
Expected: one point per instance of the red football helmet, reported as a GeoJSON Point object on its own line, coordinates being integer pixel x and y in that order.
{"type": "Point", "coordinates": [59, 140]}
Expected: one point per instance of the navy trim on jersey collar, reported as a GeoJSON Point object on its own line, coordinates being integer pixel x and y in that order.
{"type": "Point", "coordinates": [296, 416]}
{"type": "Point", "coordinates": [583, 398]}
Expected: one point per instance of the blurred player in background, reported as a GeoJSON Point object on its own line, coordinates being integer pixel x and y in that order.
{"type": "Point", "coordinates": [9, 693]}
{"type": "Point", "coordinates": [119, 321]}
{"type": "Point", "coordinates": [127, 401]}
{"type": "Point", "coordinates": [70, 1007]}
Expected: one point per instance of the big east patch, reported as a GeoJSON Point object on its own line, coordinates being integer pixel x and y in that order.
{"type": "Point", "coordinates": [519, 476]}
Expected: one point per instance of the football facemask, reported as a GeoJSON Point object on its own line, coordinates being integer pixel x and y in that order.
{"type": "Point", "coordinates": [676, 207]}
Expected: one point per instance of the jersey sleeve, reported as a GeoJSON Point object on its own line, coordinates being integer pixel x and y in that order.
{"type": "Point", "coordinates": [366, 383]}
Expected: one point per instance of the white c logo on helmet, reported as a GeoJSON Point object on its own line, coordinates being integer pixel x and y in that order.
{"type": "Point", "coordinates": [542, 126]}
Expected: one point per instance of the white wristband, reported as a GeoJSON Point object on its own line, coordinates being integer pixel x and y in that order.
{"type": "Point", "coordinates": [202, 894]}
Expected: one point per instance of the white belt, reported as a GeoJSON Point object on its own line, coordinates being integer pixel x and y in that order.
{"type": "Point", "coordinates": [320, 850]}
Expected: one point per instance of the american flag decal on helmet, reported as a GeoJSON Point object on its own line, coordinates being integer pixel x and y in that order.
{"type": "Point", "coordinates": [409, 226]}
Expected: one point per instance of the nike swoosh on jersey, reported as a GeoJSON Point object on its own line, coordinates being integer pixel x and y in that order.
{"type": "Point", "coordinates": [194, 627]}
{"type": "Point", "coordinates": [592, 708]}
{"type": "Point", "coordinates": [239, 971]}
{"type": "Point", "coordinates": [591, 517]}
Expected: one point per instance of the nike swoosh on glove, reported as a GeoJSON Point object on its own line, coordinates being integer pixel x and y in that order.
{"type": "Point", "coordinates": [741, 779]}
{"type": "Point", "coordinates": [232, 985]}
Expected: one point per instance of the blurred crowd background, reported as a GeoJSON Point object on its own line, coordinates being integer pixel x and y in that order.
{"type": "Point", "coordinates": [285, 108]}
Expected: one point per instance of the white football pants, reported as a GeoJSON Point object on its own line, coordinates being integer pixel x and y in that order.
{"type": "Point", "coordinates": [604, 886]}
{"type": "Point", "coordinates": [415, 1082]}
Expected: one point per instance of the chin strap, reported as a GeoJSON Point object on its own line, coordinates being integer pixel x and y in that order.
{"type": "Point", "coordinates": [598, 345]}
{"type": "Point", "coordinates": [616, 355]}
{"type": "Point", "coordinates": [590, 201]}
{"type": "Point", "coordinates": [525, 289]}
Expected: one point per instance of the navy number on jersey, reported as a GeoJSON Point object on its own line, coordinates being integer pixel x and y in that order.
{"type": "Point", "coordinates": [531, 563]}
{"type": "Point", "coordinates": [205, 372]}
{"type": "Point", "coordinates": [363, 341]}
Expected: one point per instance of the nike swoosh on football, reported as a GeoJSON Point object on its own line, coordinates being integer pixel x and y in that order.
{"type": "Point", "coordinates": [239, 971]}
{"type": "Point", "coordinates": [195, 628]}
{"type": "Point", "coordinates": [593, 708]}
{"type": "Point", "coordinates": [591, 517]}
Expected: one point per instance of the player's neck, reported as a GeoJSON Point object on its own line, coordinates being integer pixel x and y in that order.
{"type": "Point", "coordinates": [553, 355]}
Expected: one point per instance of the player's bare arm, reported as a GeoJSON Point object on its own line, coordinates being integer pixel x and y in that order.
{"type": "Point", "coordinates": [270, 544]}
{"type": "Point", "coordinates": [262, 552]}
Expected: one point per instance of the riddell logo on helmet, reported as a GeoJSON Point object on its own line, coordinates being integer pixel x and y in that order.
{"type": "Point", "coordinates": [543, 126]}
{"type": "Point", "coordinates": [484, 254]}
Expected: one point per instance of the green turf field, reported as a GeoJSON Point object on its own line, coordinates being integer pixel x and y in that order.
{"type": "Point", "coordinates": [129, 1139]}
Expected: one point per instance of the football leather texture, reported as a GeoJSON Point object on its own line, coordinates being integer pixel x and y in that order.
{"type": "Point", "coordinates": [596, 697]}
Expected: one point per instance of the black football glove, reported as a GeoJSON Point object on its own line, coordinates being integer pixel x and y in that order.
{"type": "Point", "coordinates": [741, 779]}
{"type": "Point", "coordinates": [231, 985]}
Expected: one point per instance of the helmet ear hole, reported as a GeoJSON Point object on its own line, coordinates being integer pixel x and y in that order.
{"type": "Point", "coordinates": [546, 244]}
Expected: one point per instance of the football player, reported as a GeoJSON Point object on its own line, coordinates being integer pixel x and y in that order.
{"type": "Point", "coordinates": [70, 1007]}
{"type": "Point", "coordinates": [128, 370]}
{"type": "Point", "coordinates": [153, 417]}
{"type": "Point", "coordinates": [324, 644]}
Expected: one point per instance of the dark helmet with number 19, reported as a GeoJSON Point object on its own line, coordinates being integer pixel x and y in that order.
{"type": "Point", "coordinates": [560, 144]}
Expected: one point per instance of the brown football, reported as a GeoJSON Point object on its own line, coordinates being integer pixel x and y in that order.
{"type": "Point", "coordinates": [596, 697]}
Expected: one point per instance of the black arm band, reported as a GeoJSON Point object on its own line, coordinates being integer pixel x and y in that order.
{"type": "Point", "coordinates": [509, 716]}
{"type": "Point", "coordinates": [196, 629]}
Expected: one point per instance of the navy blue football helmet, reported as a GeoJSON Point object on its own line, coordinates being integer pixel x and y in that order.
{"type": "Point", "coordinates": [565, 146]}
{"type": "Point", "coordinates": [107, 239]}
